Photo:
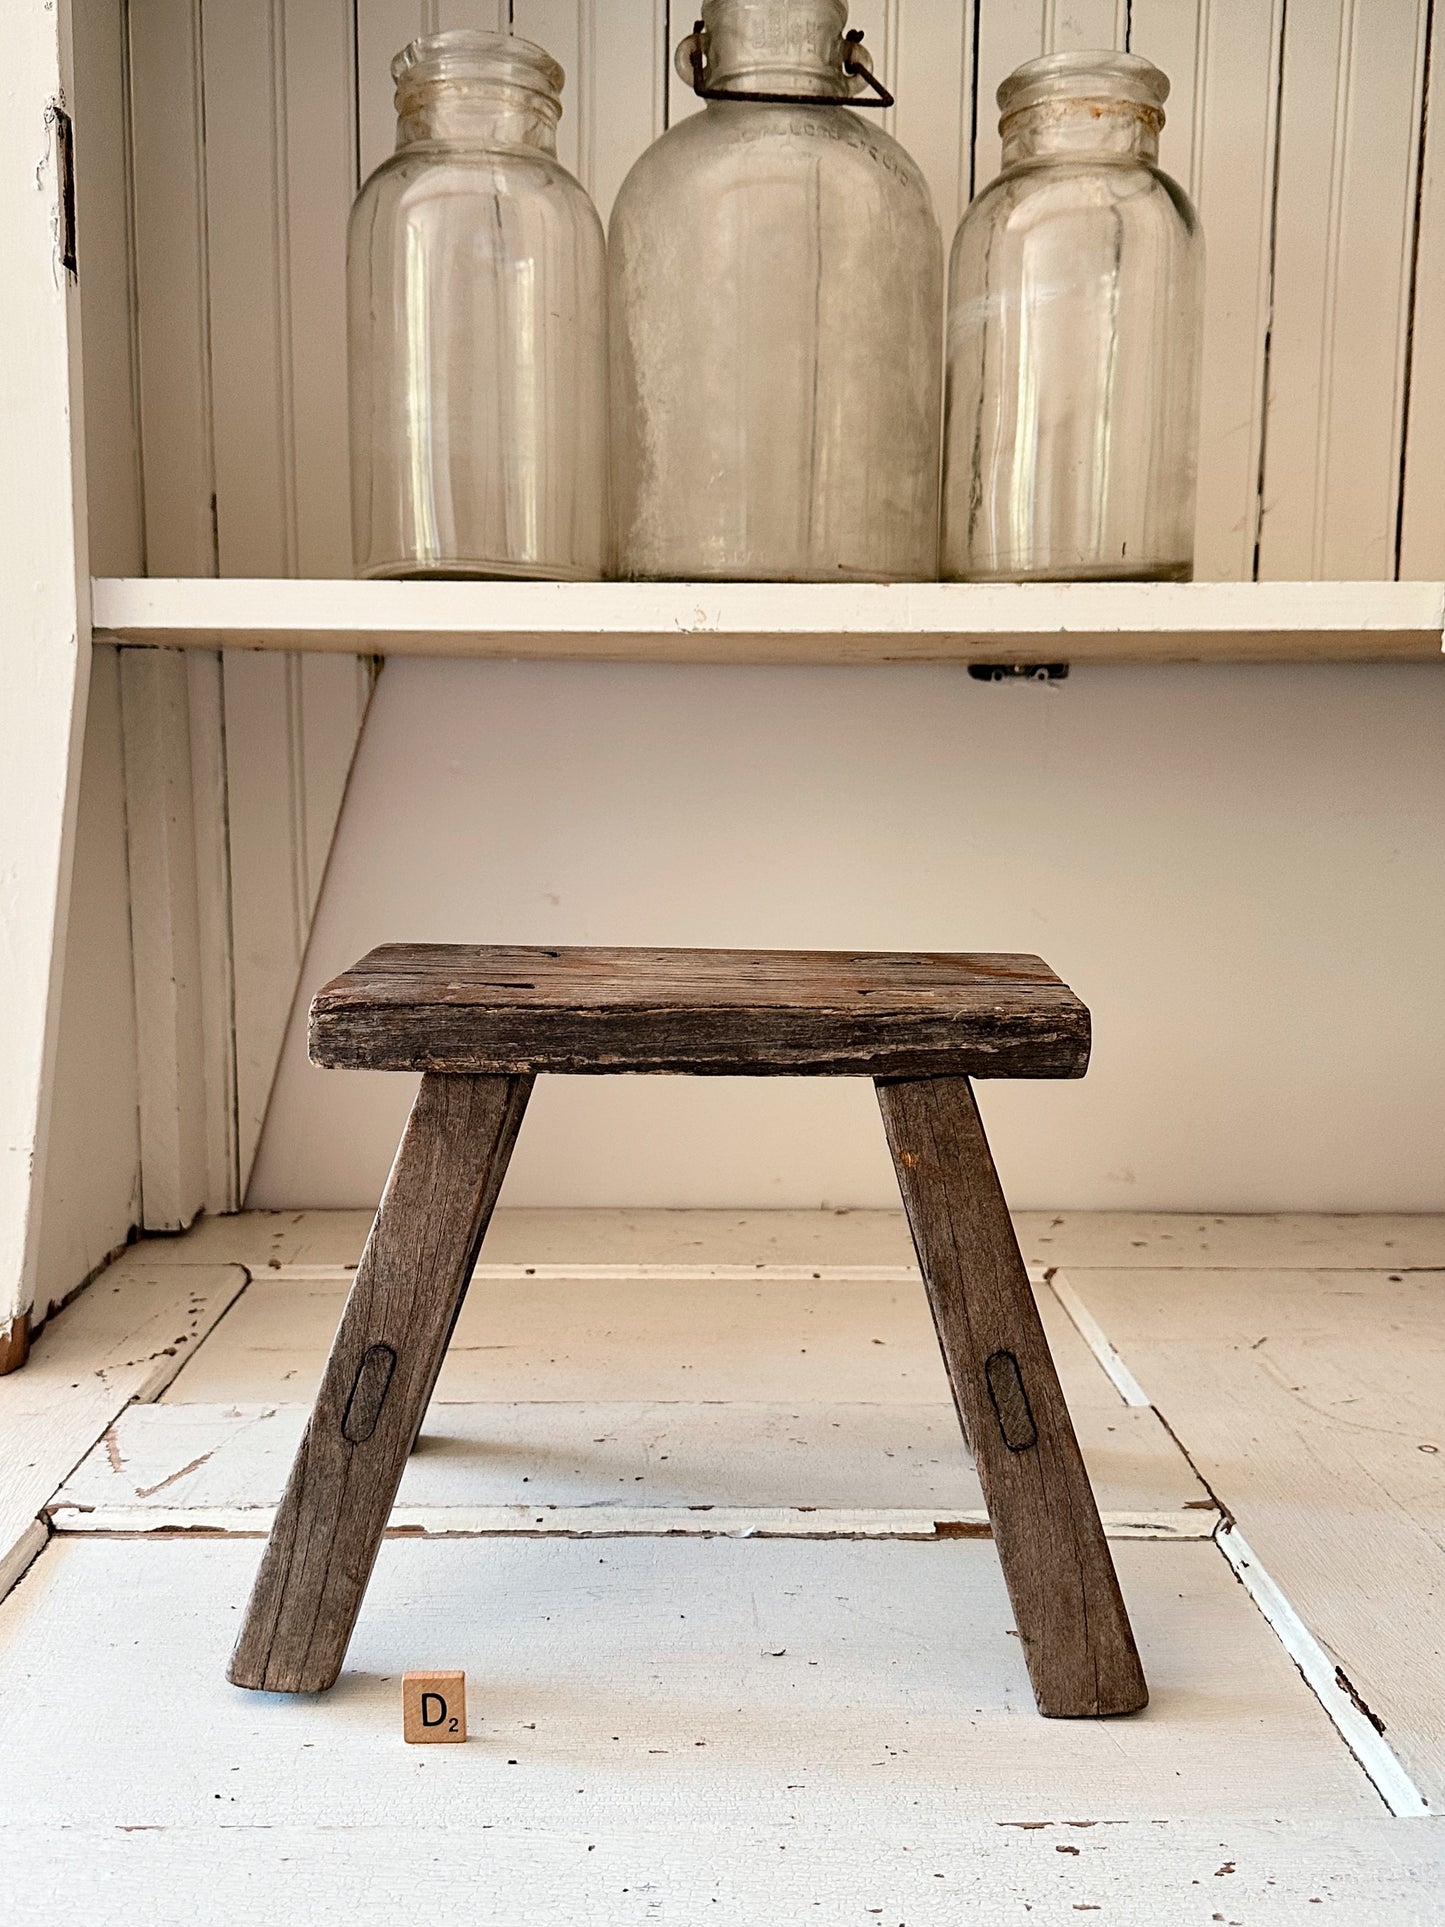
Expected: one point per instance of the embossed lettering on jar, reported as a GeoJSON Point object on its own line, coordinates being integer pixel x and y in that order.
{"type": "Point", "coordinates": [1075, 299]}
{"type": "Point", "coordinates": [775, 276]}
{"type": "Point", "coordinates": [476, 294]}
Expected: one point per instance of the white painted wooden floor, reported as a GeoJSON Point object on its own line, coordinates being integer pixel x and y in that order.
{"type": "Point", "coordinates": [692, 1510]}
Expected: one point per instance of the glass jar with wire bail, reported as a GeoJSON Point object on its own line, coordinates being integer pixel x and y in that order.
{"type": "Point", "coordinates": [775, 274]}
{"type": "Point", "coordinates": [1074, 321]}
{"type": "Point", "coordinates": [476, 296]}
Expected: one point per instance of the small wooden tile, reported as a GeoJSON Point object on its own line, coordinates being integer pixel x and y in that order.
{"type": "Point", "coordinates": [434, 1708]}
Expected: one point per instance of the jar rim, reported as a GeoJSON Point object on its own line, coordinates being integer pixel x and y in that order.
{"type": "Point", "coordinates": [471, 53]}
{"type": "Point", "coordinates": [1084, 75]}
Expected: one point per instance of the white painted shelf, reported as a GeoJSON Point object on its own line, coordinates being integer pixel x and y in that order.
{"type": "Point", "coordinates": [840, 622]}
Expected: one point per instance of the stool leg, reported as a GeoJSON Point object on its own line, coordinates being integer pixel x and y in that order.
{"type": "Point", "coordinates": [378, 1380]}
{"type": "Point", "coordinates": [1071, 1619]}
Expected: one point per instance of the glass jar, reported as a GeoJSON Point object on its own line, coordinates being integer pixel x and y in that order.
{"type": "Point", "coordinates": [476, 292]}
{"type": "Point", "coordinates": [775, 274]}
{"type": "Point", "coordinates": [1074, 317]}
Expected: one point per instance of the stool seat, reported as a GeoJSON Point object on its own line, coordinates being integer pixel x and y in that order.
{"type": "Point", "coordinates": [509, 1010]}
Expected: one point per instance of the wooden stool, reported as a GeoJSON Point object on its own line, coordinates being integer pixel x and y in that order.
{"type": "Point", "coordinates": [480, 1024]}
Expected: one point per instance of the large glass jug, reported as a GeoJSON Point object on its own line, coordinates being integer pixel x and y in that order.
{"type": "Point", "coordinates": [775, 276]}
{"type": "Point", "coordinates": [476, 295]}
{"type": "Point", "coordinates": [1074, 314]}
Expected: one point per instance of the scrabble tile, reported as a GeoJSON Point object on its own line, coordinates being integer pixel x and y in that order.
{"type": "Point", "coordinates": [434, 1708]}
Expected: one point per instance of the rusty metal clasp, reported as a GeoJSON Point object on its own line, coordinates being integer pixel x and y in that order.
{"type": "Point", "coordinates": [857, 63]}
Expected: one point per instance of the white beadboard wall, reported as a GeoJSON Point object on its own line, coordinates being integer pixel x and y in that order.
{"type": "Point", "coordinates": [217, 161]}
{"type": "Point", "coordinates": [1235, 865]}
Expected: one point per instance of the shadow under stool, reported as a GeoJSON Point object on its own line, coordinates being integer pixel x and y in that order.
{"type": "Point", "coordinates": [480, 1024]}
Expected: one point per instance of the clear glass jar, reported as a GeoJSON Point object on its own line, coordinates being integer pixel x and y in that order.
{"type": "Point", "coordinates": [776, 287]}
{"type": "Point", "coordinates": [476, 296]}
{"type": "Point", "coordinates": [1074, 315]}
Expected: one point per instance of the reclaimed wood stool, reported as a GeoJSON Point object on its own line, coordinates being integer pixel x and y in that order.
{"type": "Point", "coordinates": [480, 1024]}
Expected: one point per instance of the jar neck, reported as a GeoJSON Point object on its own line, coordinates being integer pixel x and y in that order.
{"type": "Point", "coordinates": [776, 46]}
{"type": "Point", "coordinates": [476, 113]}
{"type": "Point", "coordinates": [1073, 130]}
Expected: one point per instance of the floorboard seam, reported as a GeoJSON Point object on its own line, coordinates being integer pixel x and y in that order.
{"type": "Point", "coordinates": [1342, 1704]}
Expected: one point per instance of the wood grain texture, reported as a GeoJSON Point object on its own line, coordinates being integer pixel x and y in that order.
{"type": "Point", "coordinates": [504, 1009]}
{"type": "Point", "coordinates": [408, 1290]}
{"type": "Point", "coordinates": [1071, 1618]}
{"type": "Point", "coordinates": [1346, 172]}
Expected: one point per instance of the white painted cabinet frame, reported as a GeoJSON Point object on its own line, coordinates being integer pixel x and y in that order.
{"type": "Point", "coordinates": [45, 600]}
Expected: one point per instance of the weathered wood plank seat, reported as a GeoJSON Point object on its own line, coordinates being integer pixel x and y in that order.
{"type": "Point", "coordinates": [480, 1023]}
{"type": "Point", "coordinates": [500, 1011]}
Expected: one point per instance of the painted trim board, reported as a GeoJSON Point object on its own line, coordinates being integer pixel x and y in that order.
{"type": "Point", "coordinates": [788, 622]}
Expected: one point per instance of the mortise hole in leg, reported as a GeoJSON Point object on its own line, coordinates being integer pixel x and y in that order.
{"type": "Point", "coordinates": [368, 1393]}
{"type": "Point", "coordinates": [1010, 1402]}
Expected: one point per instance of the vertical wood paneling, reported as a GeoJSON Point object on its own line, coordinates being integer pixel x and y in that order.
{"type": "Point", "coordinates": [1422, 518]}
{"type": "Point", "coordinates": [243, 402]}
{"type": "Point", "coordinates": [492, 16]}
{"type": "Point", "coordinates": [92, 1167]}
{"type": "Point", "coordinates": [173, 314]}
{"type": "Point", "coordinates": [1083, 25]}
{"type": "Point", "coordinates": [564, 28]}
{"type": "Point", "coordinates": [931, 63]}
{"type": "Point", "coordinates": [1009, 32]}
{"type": "Point", "coordinates": [210, 810]}
{"type": "Point", "coordinates": [1349, 128]}
{"type": "Point", "coordinates": [106, 252]}
{"type": "Point", "coordinates": [621, 96]}
{"type": "Point", "coordinates": [383, 28]}
{"type": "Point", "coordinates": [1222, 58]}
{"type": "Point", "coordinates": [282, 110]}
{"type": "Point", "coordinates": [161, 840]}
{"type": "Point", "coordinates": [318, 182]}
{"type": "Point", "coordinates": [177, 746]}
{"type": "Point", "coordinates": [269, 907]}
{"type": "Point", "coordinates": [613, 105]}
{"type": "Point", "coordinates": [250, 286]}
